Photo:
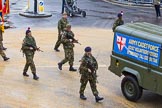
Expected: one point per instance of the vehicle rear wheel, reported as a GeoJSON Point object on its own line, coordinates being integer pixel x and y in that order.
{"type": "Point", "coordinates": [130, 88]}
{"type": "Point", "coordinates": [71, 14]}
{"type": "Point", "coordinates": [83, 13]}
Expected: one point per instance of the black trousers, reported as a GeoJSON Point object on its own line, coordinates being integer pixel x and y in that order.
{"type": "Point", "coordinates": [63, 4]}
{"type": "Point", "coordinates": [157, 9]}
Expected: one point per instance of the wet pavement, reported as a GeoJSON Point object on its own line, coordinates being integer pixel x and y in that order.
{"type": "Point", "coordinates": [59, 89]}
{"type": "Point", "coordinates": [99, 14]}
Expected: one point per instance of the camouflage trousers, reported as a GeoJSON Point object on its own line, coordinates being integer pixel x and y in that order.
{"type": "Point", "coordinates": [29, 63]}
{"type": "Point", "coordinates": [58, 42]}
{"type": "Point", "coordinates": [69, 56]}
{"type": "Point", "coordinates": [1, 50]}
{"type": "Point", "coordinates": [92, 81]}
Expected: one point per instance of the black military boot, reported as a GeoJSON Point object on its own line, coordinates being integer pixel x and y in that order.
{"type": "Point", "coordinates": [82, 97]}
{"type": "Point", "coordinates": [56, 49]}
{"type": "Point", "coordinates": [5, 58]}
{"type": "Point", "coordinates": [60, 66]}
{"type": "Point", "coordinates": [35, 77]}
{"type": "Point", "coordinates": [3, 48]}
{"type": "Point", "coordinates": [25, 74]}
{"type": "Point", "coordinates": [72, 69]}
{"type": "Point", "coordinates": [98, 98]}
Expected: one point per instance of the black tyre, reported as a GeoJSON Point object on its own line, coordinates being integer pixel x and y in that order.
{"type": "Point", "coordinates": [130, 88]}
{"type": "Point", "coordinates": [83, 13]}
{"type": "Point", "coordinates": [71, 14]}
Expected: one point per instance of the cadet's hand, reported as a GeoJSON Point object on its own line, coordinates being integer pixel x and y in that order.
{"type": "Point", "coordinates": [61, 33]}
{"type": "Point", "coordinates": [89, 70]}
{"type": "Point", "coordinates": [71, 40]}
{"type": "Point", "coordinates": [31, 48]}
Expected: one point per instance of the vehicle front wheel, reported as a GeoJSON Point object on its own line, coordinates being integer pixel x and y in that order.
{"type": "Point", "coordinates": [131, 89]}
{"type": "Point", "coordinates": [83, 13]}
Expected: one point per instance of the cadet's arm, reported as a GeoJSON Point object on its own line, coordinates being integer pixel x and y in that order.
{"type": "Point", "coordinates": [59, 27]}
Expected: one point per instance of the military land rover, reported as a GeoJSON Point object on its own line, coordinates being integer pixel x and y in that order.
{"type": "Point", "coordinates": [137, 55]}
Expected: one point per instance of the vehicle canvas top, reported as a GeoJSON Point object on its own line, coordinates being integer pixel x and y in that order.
{"type": "Point", "coordinates": [139, 41]}
{"type": "Point", "coordinates": [142, 30]}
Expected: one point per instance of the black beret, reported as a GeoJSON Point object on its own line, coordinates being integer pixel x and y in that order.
{"type": "Point", "coordinates": [87, 49]}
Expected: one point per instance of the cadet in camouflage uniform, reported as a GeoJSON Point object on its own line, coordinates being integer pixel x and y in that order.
{"type": "Point", "coordinates": [118, 22]}
{"type": "Point", "coordinates": [88, 70]}
{"type": "Point", "coordinates": [29, 47]}
{"type": "Point", "coordinates": [1, 46]}
{"type": "Point", "coordinates": [68, 46]}
{"type": "Point", "coordinates": [62, 23]}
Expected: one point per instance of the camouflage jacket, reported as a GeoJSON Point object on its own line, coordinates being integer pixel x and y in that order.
{"type": "Point", "coordinates": [67, 43]}
{"type": "Point", "coordinates": [85, 62]}
{"type": "Point", "coordinates": [28, 42]}
{"type": "Point", "coordinates": [118, 22]}
{"type": "Point", "coordinates": [62, 23]}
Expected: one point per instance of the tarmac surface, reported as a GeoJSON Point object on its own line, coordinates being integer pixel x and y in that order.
{"type": "Point", "coordinates": [100, 14]}
{"type": "Point", "coordinates": [59, 89]}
